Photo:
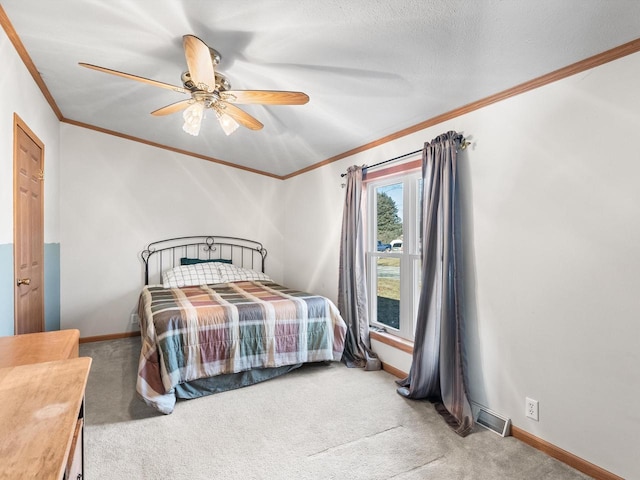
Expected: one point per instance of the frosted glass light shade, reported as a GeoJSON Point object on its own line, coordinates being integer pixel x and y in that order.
{"type": "Point", "coordinates": [228, 124]}
{"type": "Point", "coordinates": [193, 116]}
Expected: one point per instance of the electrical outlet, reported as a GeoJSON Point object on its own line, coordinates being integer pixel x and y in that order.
{"type": "Point", "coordinates": [135, 320]}
{"type": "Point", "coordinates": [531, 408]}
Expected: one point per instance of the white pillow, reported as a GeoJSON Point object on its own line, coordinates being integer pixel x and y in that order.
{"type": "Point", "coordinates": [190, 275]}
{"type": "Point", "coordinates": [233, 273]}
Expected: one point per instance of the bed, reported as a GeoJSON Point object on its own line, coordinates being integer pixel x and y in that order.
{"type": "Point", "coordinates": [211, 320]}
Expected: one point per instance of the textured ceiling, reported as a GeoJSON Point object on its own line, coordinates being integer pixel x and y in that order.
{"type": "Point", "coordinates": [371, 68]}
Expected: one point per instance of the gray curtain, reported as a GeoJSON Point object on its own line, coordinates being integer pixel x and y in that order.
{"type": "Point", "coordinates": [352, 284]}
{"type": "Point", "coordinates": [437, 369]}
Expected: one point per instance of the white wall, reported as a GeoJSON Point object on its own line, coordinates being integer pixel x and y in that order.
{"type": "Point", "coordinates": [551, 201]}
{"type": "Point", "coordinates": [313, 207]}
{"type": "Point", "coordinates": [19, 94]}
{"type": "Point", "coordinates": [556, 226]}
{"type": "Point", "coordinates": [117, 196]}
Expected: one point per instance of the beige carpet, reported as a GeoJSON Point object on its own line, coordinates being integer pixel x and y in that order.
{"type": "Point", "coordinates": [318, 422]}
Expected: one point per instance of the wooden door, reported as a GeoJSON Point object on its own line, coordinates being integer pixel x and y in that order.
{"type": "Point", "coordinates": [28, 226]}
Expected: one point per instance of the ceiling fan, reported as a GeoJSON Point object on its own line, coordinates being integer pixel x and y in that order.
{"type": "Point", "coordinates": [210, 89]}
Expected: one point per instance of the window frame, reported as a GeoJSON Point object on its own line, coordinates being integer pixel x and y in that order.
{"type": "Point", "coordinates": [410, 256]}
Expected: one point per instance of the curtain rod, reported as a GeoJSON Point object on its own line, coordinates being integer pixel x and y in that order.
{"type": "Point", "coordinates": [463, 145]}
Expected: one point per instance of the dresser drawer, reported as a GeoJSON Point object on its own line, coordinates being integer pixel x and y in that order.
{"type": "Point", "coordinates": [75, 460]}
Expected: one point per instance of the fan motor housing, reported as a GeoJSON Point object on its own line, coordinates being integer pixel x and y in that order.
{"type": "Point", "coordinates": [222, 83]}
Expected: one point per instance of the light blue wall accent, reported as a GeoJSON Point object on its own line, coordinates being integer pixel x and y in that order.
{"type": "Point", "coordinates": [6, 289]}
{"type": "Point", "coordinates": [51, 286]}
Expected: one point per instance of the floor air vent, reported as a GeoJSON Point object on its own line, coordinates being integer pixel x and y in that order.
{"type": "Point", "coordinates": [492, 421]}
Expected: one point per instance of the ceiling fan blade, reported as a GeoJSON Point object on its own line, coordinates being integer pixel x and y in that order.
{"type": "Point", "coordinates": [135, 77]}
{"type": "Point", "coordinates": [173, 108]}
{"type": "Point", "coordinates": [242, 117]}
{"type": "Point", "coordinates": [265, 97]}
{"type": "Point", "coordinates": [199, 62]}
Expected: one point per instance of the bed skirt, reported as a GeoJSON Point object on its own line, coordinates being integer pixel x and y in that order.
{"type": "Point", "coordinates": [222, 383]}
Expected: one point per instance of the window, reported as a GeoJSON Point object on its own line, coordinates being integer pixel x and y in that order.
{"type": "Point", "coordinates": [393, 251]}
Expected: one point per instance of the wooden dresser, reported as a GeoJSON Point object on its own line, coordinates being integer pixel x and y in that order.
{"type": "Point", "coordinates": [42, 406]}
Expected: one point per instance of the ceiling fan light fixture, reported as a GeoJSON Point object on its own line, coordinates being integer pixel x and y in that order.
{"type": "Point", "coordinates": [211, 89]}
{"type": "Point", "coordinates": [193, 116]}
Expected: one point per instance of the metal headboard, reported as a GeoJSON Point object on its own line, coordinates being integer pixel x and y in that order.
{"type": "Point", "coordinates": [163, 254]}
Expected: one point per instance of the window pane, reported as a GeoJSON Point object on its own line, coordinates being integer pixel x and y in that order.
{"type": "Point", "coordinates": [393, 256]}
{"type": "Point", "coordinates": [389, 211]}
{"type": "Point", "coordinates": [388, 291]}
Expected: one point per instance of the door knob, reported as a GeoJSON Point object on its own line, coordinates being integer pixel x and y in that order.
{"type": "Point", "coordinates": [24, 281]}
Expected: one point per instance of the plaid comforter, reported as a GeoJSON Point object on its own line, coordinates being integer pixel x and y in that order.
{"type": "Point", "coordinates": [197, 332]}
